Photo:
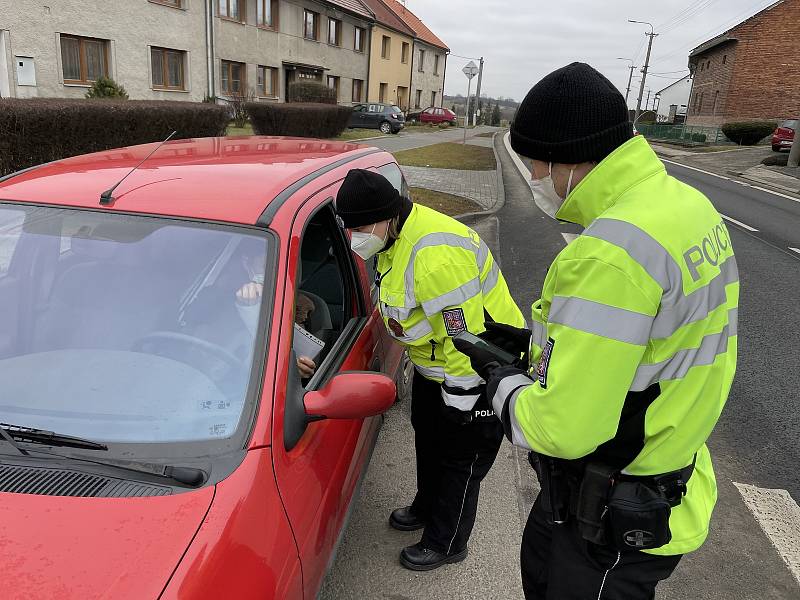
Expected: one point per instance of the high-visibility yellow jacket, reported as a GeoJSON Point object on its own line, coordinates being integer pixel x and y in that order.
{"type": "Point", "coordinates": [634, 339]}
{"type": "Point", "coordinates": [437, 280]}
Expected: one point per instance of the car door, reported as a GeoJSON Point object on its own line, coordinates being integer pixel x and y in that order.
{"type": "Point", "coordinates": [426, 116]}
{"type": "Point", "coordinates": [374, 116]}
{"type": "Point", "coordinates": [318, 466]}
{"type": "Point", "coordinates": [439, 115]}
{"type": "Point", "coordinates": [359, 116]}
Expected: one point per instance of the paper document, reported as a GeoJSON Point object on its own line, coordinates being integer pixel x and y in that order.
{"type": "Point", "coordinates": [305, 344]}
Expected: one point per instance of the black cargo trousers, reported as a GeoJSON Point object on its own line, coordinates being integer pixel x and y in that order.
{"type": "Point", "coordinates": [452, 459]}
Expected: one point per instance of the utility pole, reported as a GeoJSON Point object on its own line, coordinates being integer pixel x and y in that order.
{"type": "Point", "coordinates": [647, 104]}
{"type": "Point", "coordinates": [478, 92]}
{"type": "Point", "coordinates": [630, 78]}
{"type": "Point", "coordinates": [651, 35]}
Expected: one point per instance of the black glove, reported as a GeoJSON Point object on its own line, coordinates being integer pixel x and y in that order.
{"type": "Point", "coordinates": [511, 339]}
{"type": "Point", "coordinates": [483, 362]}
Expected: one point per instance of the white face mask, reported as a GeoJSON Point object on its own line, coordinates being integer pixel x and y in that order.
{"type": "Point", "coordinates": [367, 245]}
{"type": "Point", "coordinates": [545, 195]}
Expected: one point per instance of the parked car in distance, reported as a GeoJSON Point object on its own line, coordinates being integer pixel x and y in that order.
{"type": "Point", "coordinates": [434, 114]}
{"type": "Point", "coordinates": [386, 117]}
{"type": "Point", "coordinates": [783, 137]}
{"type": "Point", "coordinates": [158, 441]}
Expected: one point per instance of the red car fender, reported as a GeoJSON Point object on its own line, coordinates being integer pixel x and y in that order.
{"type": "Point", "coordinates": [244, 549]}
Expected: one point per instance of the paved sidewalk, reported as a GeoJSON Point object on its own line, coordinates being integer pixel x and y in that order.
{"type": "Point", "coordinates": [478, 186]}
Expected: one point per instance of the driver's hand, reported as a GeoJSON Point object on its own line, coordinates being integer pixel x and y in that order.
{"type": "Point", "coordinates": [249, 294]}
{"type": "Point", "coordinates": [306, 366]}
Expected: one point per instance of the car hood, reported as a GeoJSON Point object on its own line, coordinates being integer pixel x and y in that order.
{"type": "Point", "coordinates": [91, 548]}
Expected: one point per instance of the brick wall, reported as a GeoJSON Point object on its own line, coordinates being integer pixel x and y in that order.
{"type": "Point", "coordinates": [757, 80]}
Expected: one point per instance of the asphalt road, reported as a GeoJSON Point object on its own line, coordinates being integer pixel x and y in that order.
{"type": "Point", "coordinates": [406, 140]}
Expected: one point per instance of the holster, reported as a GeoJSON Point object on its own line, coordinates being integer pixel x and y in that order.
{"type": "Point", "coordinates": [595, 488]}
{"type": "Point", "coordinates": [554, 481]}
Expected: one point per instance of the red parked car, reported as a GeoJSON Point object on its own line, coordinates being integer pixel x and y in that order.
{"type": "Point", "coordinates": [434, 115]}
{"type": "Point", "coordinates": [783, 137]}
{"type": "Point", "coordinates": [157, 440]}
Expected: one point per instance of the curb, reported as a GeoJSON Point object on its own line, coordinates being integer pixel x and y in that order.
{"type": "Point", "coordinates": [501, 191]}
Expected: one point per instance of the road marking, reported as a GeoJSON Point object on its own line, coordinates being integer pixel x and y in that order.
{"type": "Point", "coordinates": [739, 223]}
{"type": "Point", "coordinates": [750, 185]}
{"type": "Point", "coordinates": [570, 237]}
{"type": "Point", "coordinates": [779, 517]}
{"type": "Point", "coordinates": [794, 249]}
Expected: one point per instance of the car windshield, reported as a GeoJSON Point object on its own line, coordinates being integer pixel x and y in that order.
{"type": "Point", "coordinates": [789, 124]}
{"type": "Point", "coordinates": [395, 109]}
{"type": "Point", "coordinates": [127, 329]}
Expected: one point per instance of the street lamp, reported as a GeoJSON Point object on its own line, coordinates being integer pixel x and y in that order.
{"type": "Point", "coordinates": [630, 77]}
{"type": "Point", "coordinates": [651, 35]}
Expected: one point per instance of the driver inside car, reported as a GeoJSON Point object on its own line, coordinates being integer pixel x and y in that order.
{"type": "Point", "coordinates": [248, 299]}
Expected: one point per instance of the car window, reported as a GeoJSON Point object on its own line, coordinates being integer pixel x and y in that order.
{"type": "Point", "coordinates": [789, 124]}
{"type": "Point", "coordinates": [323, 284]}
{"type": "Point", "coordinates": [428, 111]}
{"type": "Point", "coordinates": [10, 231]}
{"type": "Point", "coordinates": [373, 108]}
{"type": "Point", "coordinates": [141, 322]}
{"type": "Point", "coordinates": [439, 112]}
{"type": "Point", "coordinates": [395, 109]}
{"type": "Point", "coordinates": [359, 108]}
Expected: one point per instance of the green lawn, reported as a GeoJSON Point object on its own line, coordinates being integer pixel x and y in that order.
{"type": "Point", "coordinates": [423, 128]}
{"type": "Point", "coordinates": [246, 130]}
{"type": "Point", "coordinates": [449, 156]}
{"type": "Point", "coordinates": [347, 136]}
{"type": "Point", "coordinates": [444, 203]}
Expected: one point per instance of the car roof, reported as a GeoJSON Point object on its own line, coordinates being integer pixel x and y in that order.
{"type": "Point", "coordinates": [217, 179]}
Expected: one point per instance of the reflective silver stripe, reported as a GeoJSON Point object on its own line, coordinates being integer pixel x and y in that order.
{"type": "Point", "coordinates": [430, 372]}
{"type": "Point", "coordinates": [455, 298]}
{"type": "Point", "coordinates": [464, 403]}
{"type": "Point", "coordinates": [465, 383]}
{"type": "Point", "coordinates": [417, 332]}
{"type": "Point", "coordinates": [650, 254]}
{"type": "Point", "coordinates": [395, 312]}
{"type": "Point", "coordinates": [491, 279]}
{"type": "Point", "coordinates": [517, 436]}
{"type": "Point", "coordinates": [433, 239]}
{"type": "Point", "coordinates": [483, 256]}
{"type": "Point", "coordinates": [600, 319]}
{"type": "Point", "coordinates": [506, 387]}
{"type": "Point", "coordinates": [697, 305]}
{"type": "Point", "coordinates": [538, 334]}
{"type": "Point", "coordinates": [733, 321]}
{"type": "Point", "coordinates": [682, 361]}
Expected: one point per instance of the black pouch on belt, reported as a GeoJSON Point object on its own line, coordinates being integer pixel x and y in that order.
{"type": "Point", "coordinates": [593, 502]}
{"type": "Point", "coordinates": [638, 517]}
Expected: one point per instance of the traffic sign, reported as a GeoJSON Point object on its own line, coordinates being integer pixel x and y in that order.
{"type": "Point", "coordinates": [470, 70]}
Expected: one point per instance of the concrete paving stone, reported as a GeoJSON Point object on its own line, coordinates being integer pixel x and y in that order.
{"type": "Point", "coordinates": [478, 186]}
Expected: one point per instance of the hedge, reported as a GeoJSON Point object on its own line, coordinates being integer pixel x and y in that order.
{"type": "Point", "coordinates": [311, 91]}
{"type": "Point", "coordinates": [748, 133]}
{"type": "Point", "coordinates": [37, 131]}
{"type": "Point", "coordinates": [299, 120]}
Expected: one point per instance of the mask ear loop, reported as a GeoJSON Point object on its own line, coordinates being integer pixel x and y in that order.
{"type": "Point", "coordinates": [569, 183]}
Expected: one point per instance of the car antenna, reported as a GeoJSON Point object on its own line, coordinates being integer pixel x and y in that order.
{"type": "Point", "coordinates": [106, 199]}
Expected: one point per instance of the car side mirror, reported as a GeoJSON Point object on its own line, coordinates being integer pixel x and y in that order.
{"type": "Point", "coordinates": [351, 396]}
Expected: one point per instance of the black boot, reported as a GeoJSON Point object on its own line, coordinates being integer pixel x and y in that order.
{"type": "Point", "coordinates": [404, 519]}
{"type": "Point", "coordinates": [420, 558]}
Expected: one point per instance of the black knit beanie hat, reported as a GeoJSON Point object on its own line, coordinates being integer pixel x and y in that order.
{"type": "Point", "coordinates": [366, 198]}
{"type": "Point", "coordinates": [571, 116]}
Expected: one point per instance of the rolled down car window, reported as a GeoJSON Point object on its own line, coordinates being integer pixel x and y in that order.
{"type": "Point", "coordinates": [127, 329]}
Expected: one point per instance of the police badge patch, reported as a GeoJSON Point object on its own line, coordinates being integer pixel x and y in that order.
{"type": "Point", "coordinates": [396, 328]}
{"type": "Point", "coordinates": [544, 362]}
{"type": "Point", "coordinates": [454, 321]}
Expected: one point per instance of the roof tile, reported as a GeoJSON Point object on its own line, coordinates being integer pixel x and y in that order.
{"type": "Point", "coordinates": [415, 23]}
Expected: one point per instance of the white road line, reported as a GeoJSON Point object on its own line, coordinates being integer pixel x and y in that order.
{"type": "Point", "coordinates": [570, 237]}
{"type": "Point", "coordinates": [779, 517]}
{"type": "Point", "coordinates": [739, 223]}
{"type": "Point", "coordinates": [750, 185]}
{"type": "Point", "coordinates": [524, 171]}
{"type": "Point", "coordinates": [794, 249]}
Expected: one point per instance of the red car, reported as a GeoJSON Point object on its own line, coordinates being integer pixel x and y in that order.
{"type": "Point", "coordinates": [157, 440]}
{"type": "Point", "coordinates": [783, 137]}
{"type": "Point", "coordinates": [434, 115]}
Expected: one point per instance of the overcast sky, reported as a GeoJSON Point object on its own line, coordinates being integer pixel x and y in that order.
{"type": "Point", "coordinates": [523, 40]}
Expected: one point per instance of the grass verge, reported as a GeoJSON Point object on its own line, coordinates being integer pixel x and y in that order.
{"type": "Point", "coordinates": [449, 156]}
{"type": "Point", "coordinates": [347, 136]}
{"type": "Point", "coordinates": [444, 203]}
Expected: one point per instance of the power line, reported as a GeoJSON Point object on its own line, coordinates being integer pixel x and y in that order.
{"type": "Point", "coordinates": [689, 15]}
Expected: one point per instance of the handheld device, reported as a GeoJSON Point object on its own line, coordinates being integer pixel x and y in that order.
{"type": "Point", "coordinates": [502, 356]}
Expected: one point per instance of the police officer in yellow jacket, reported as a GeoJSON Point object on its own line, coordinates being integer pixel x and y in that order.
{"type": "Point", "coordinates": [437, 278]}
{"type": "Point", "coordinates": [632, 352]}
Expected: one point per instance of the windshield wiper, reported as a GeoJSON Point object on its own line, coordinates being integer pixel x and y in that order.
{"type": "Point", "coordinates": [49, 438]}
{"type": "Point", "coordinates": [12, 442]}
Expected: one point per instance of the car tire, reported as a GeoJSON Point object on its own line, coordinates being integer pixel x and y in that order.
{"type": "Point", "coordinates": [395, 131]}
{"type": "Point", "coordinates": [386, 127]}
{"type": "Point", "coordinates": [776, 148]}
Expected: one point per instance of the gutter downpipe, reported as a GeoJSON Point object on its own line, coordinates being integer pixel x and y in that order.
{"type": "Point", "coordinates": [211, 87]}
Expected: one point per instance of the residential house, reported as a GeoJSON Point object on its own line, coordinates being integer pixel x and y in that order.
{"type": "Point", "coordinates": [746, 72]}
{"type": "Point", "coordinates": [673, 100]}
{"type": "Point", "coordinates": [390, 57]}
{"type": "Point", "coordinates": [184, 49]}
{"type": "Point", "coordinates": [155, 48]}
{"type": "Point", "coordinates": [429, 60]}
